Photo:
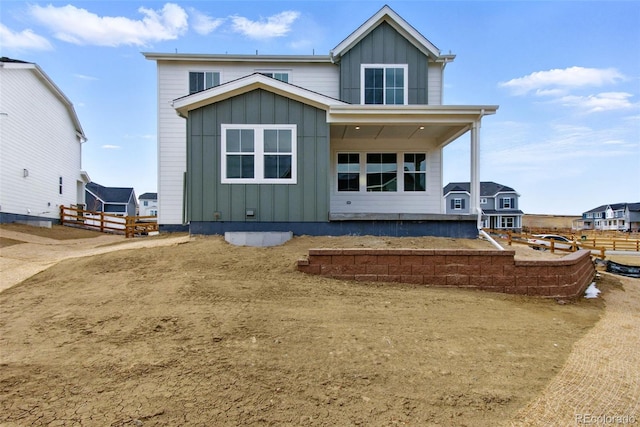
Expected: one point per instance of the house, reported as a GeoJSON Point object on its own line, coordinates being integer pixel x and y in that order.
{"type": "Point", "coordinates": [148, 203]}
{"type": "Point", "coordinates": [498, 202]}
{"type": "Point", "coordinates": [119, 201]}
{"type": "Point", "coordinates": [614, 217]}
{"type": "Point", "coordinates": [41, 144]}
{"type": "Point", "coordinates": [347, 143]}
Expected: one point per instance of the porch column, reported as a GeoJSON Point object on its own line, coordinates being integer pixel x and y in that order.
{"type": "Point", "coordinates": [475, 171]}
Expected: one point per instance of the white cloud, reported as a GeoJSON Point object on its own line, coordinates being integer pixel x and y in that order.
{"type": "Point", "coordinates": [606, 101]}
{"type": "Point", "coordinates": [83, 77]}
{"type": "Point", "coordinates": [202, 23]}
{"type": "Point", "coordinates": [24, 40]}
{"type": "Point", "coordinates": [82, 27]}
{"type": "Point", "coordinates": [111, 147]}
{"type": "Point", "coordinates": [549, 82]}
{"type": "Point", "coordinates": [274, 26]}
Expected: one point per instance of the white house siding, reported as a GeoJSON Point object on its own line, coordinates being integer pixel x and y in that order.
{"type": "Point", "coordinates": [428, 202]}
{"type": "Point", "coordinates": [434, 82]}
{"type": "Point", "coordinates": [173, 83]}
{"type": "Point", "coordinates": [37, 136]}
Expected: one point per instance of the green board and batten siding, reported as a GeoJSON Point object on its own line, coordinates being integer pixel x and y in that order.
{"type": "Point", "coordinates": [384, 45]}
{"type": "Point", "coordinates": [305, 201]}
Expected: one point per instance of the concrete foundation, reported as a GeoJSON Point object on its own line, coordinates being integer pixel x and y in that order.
{"type": "Point", "coordinates": [257, 238]}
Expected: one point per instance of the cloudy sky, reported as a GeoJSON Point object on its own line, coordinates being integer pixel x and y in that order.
{"type": "Point", "coordinates": [566, 75]}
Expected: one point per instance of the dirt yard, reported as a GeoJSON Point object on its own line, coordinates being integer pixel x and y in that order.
{"type": "Point", "coordinates": [204, 333]}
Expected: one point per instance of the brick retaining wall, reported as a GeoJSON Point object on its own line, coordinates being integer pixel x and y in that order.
{"type": "Point", "coordinates": [489, 270]}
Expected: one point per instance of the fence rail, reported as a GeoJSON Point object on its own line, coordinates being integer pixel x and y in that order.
{"type": "Point", "coordinates": [552, 245]}
{"type": "Point", "coordinates": [130, 226]}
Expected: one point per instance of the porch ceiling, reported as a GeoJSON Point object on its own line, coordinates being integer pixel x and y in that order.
{"type": "Point", "coordinates": [439, 133]}
{"type": "Point", "coordinates": [439, 124]}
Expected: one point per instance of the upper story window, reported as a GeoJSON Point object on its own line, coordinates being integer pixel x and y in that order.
{"type": "Point", "coordinates": [59, 185]}
{"type": "Point", "coordinates": [507, 203]}
{"type": "Point", "coordinates": [384, 84]}
{"type": "Point", "coordinates": [261, 154]}
{"type": "Point", "coordinates": [201, 80]}
{"type": "Point", "coordinates": [483, 201]}
{"type": "Point", "coordinates": [283, 76]}
{"type": "Point", "coordinates": [457, 203]}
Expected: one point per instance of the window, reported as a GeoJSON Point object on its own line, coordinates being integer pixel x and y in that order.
{"type": "Point", "coordinates": [506, 203]}
{"type": "Point", "coordinates": [506, 222]}
{"type": "Point", "coordinates": [384, 84]}
{"type": "Point", "coordinates": [283, 76]}
{"type": "Point", "coordinates": [415, 171]}
{"type": "Point", "coordinates": [202, 80]}
{"type": "Point", "coordinates": [457, 204]}
{"type": "Point", "coordinates": [378, 172]}
{"type": "Point", "coordinates": [264, 154]}
{"type": "Point", "coordinates": [483, 201]}
{"type": "Point", "coordinates": [382, 172]}
{"type": "Point", "coordinates": [60, 185]}
{"type": "Point", "coordinates": [348, 172]}
{"type": "Point", "coordinates": [153, 212]}
{"type": "Point", "coordinates": [145, 203]}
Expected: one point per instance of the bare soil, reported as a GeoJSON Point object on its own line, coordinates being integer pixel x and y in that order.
{"type": "Point", "coordinates": [206, 333]}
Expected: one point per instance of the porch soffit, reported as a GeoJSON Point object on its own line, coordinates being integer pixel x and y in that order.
{"type": "Point", "coordinates": [439, 124]}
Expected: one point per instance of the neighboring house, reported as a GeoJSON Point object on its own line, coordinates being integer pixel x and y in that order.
{"type": "Point", "coordinates": [148, 204]}
{"type": "Point", "coordinates": [498, 202]}
{"type": "Point", "coordinates": [616, 216]}
{"type": "Point", "coordinates": [119, 201]}
{"type": "Point", "coordinates": [345, 143]}
{"type": "Point", "coordinates": [40, 145]}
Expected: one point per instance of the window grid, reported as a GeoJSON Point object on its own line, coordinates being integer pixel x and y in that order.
{"type": "Point", "coordinates": [384, 84]}
{"type": "Point", "coordinates": [378, 172]}
{"type": "Point", "coordinates": [202, 80]}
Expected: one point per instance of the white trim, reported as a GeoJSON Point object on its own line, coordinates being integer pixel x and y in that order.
{"type": "Point", "coordinates": [400, 25]}
{"type": "Point", "coordinates": [258, 154]}
{"type": "Point", "coordinates": [405, 68]}
{"type": "Point", "coordinates": [204, 71]}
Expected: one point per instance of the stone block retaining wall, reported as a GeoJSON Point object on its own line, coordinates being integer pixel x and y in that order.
{"type": "Point", "coordinates": [489, 270]}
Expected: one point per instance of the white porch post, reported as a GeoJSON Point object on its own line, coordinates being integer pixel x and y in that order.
{"type": "Point", "coordinates": [475, 172]}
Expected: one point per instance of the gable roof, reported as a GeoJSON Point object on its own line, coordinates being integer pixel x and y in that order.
{"type": "Point", "coordinates": [247, 84]}
{"type": "Point", "coordinates": [111, 194]}
{"type": "Point", "coordinates": [388, 15]}
{"type": "Point", "coordinates": [10, 63]}
{"type": "Point", "coordinates": [487, 188]}
{"type": "Point", "coordinates": [149, 196]}
{"type": "Point", "coordinates": [634, 207]}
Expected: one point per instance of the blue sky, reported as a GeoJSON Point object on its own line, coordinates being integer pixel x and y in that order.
{"type": "Point", "coordinates": [566, 75]}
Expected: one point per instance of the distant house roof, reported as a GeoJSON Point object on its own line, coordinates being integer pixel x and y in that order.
{"type": "Point", "coordinates": [149, 196]}
{"type": "Point", "coordinates": [487, 188]}
{"type": "Point", "coordinates": [634, 207]}
{"type": "Point", "coordinates": [111, 194]}
{"type": "Point", "coordinates": [10, 63]}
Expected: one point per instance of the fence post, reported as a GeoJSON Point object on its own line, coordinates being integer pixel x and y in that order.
{"type": "Point", "coordinates": [61, 214]}
{"type": "Point", "coordinates": [102, 222]}
{"type": "Point", "coordinates": [509, 235]}
{"type": "Point", "coordinates": [552, 246]}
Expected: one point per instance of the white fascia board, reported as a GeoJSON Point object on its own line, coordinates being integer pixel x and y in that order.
{"type": "Point", "coordinates": [399, 24]}
{"type": "Point", "coordinates": [84, 176]}
{"type": "Point", "coordinates": [196, 57]}
{"type": "Point", "coordinates": [246, 84]}
{"type": "Point", "coordinates": [460, 114]}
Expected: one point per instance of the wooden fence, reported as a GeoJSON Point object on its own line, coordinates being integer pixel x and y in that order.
{"type": "Point", "coordinates": [552, 245]}
{"type": "Point", "coordinates": [130, 226]}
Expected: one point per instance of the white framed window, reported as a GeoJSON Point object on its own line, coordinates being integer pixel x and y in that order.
{"type": "Point", "coordinates": [483, 201]}
{"type": "Point", "coordinates": [60, 185]}
{"type": "Point", "coordinates": [379, 172]}
{"type": "Point", "coordinates": [260, 154]}
{"type": "Point", "coordinates": [281, 75]}
{"type": "Point", "coordinates": [507, 222]}
{"type": "Point", "coordinates": [506, 203]}
{"type": "Point", "coordinates": [202, 80]}
{"type": "Point", "coordinates": [457, 203]}
{"type": "Point", "coordinates": [384, 84]}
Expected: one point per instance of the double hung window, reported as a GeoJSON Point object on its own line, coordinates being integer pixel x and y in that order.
{"type": "Point", "coordinates": [263, 154]}
{"type": "Point", "coordinates": [201, 80]}
{"type": "Point", "coordinates": [384, 84]}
